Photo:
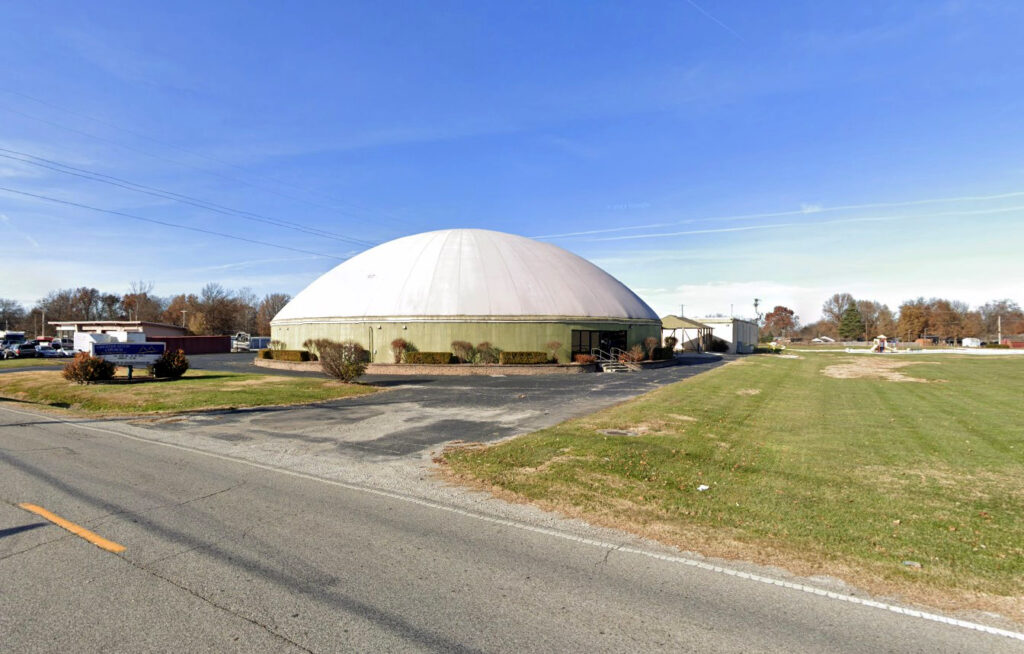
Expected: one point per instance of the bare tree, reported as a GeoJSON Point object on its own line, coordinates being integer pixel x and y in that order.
{"type": "Point", "coordinates": [1005, 309]}
{"type": "Point", "coordinates": [834, 308]}
{"type": "Point", "coordinates": [11, 313]}
{"type": "Point", "coordinates": [269, 307]}
{"type": "Point", "coordinates": [139, 303]}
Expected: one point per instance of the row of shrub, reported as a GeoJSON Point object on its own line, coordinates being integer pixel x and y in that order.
{"type": "Point", "coordinates": [520, 358]}
{"type": "Point", "coordinates": [466, 352]}
{"type": "Point", "coordinates": [485, 353]}
{"type": "Point", "coordinates": [88, 369]}
{"type": "Point", "coordinates": [434, 358]}
{"type": "Point", "coordinates": [287, 355]}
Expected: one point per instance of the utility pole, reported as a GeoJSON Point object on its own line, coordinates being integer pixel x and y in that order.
{"type": "Point", "coordinates": [999, 327]}
{"type": "Point", "coordinates": [183, 312]}
{"type": "Point", "coordinates": [42, 324]}
{"type": "Point", "coordinates": [682, 310]}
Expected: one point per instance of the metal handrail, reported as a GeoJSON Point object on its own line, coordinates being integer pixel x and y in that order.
{"type": "Point", "coordinates": [601, 355]}
{"type": "Point", "coordinates": [614, 356]}
{"type": "Point", "coordinates": [618, 354]}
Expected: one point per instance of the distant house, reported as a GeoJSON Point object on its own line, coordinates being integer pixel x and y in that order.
{"type": "Point", "coordinates": [823, 339]}
{"type": "Point", "coordinates": [66, 329]}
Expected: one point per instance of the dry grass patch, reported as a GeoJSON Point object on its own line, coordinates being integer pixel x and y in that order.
{"type": "Point", "coordinates": [876, 367]}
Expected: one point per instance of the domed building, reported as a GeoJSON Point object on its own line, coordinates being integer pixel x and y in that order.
{"type": "Point", "coordinates": [468, 285]}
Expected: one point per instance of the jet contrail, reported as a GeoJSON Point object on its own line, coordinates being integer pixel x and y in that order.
{"type": "Point", "coordinates": [838, 221]}
{"type": "Point", "coordinates": [798, 212]}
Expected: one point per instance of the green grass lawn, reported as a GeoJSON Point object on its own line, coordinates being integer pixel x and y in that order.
{"type": "Point", "coordinates": [32, 362]}
{"type": "Point", "coordinates": [847, 476]}
{"type": "Point", "coordinates": [196, 390]}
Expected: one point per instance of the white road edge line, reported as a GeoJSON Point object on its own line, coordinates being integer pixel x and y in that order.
{"type": "Point", "coordinates": [914, 613]}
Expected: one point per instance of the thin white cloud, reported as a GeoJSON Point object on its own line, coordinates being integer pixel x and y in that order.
{"type": "Point", "coordinates": [838, 221]}
{"type": "Point", "coordinates": [807, 208]}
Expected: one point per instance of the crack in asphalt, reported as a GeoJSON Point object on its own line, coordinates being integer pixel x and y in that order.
{"type": "Point", "coordinates": [267, 628]}
{"type": "Point", "coordinates": [608, 552]}
{"type": "Point", "coordinates": [103, 519]}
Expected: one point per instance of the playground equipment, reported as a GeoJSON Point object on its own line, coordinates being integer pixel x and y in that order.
{"type": "Point", "coordinates": [881, 344]}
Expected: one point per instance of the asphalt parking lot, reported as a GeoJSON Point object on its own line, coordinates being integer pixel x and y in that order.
{"type": "Point", "coordinates": [415, 414]}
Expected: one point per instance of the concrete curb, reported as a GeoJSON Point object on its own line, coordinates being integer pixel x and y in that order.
{"type": "Point", "coordinates": [455, 370]}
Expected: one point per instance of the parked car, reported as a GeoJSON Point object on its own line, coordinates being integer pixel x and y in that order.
{"type": "Point", "coordinates": [21, 351]}
{"type": "Point", "coordinates": [48, 351]}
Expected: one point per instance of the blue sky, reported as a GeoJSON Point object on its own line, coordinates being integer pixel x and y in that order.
{"type": "Point", "coordinates": [704, 153]}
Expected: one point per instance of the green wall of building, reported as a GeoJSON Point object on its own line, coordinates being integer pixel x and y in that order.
{"type": "Point", "coordinates": [437, 336]}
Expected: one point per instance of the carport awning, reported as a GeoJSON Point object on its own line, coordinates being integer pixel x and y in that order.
{"type": "Point", "coordinates": [677, 322]}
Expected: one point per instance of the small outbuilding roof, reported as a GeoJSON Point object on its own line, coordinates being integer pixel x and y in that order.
{"type": "Point", "coordinates": [83, 325]}
{"type": "Point", "coordinates": [679, 322]}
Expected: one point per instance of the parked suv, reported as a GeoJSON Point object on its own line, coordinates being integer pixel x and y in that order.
{"type": "Point", "coordinates": [21, 351]}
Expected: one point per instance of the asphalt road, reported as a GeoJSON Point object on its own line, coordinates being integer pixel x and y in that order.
{"type": "Point", "coordinates": [226, 555]}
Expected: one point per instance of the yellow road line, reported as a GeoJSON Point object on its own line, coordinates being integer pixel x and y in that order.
{"type": "Point", "coordinates": [77, 530]}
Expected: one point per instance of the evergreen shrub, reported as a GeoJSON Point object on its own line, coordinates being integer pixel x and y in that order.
{"type": "Point", "coordinates": [429, 357]}
{"type": "Point", "coordinates": [515, 358]}
{"type": "Point", "coordinates": [170, 365]}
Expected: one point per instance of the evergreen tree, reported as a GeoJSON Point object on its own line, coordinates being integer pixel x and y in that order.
{"type": "Point", "coordinates": [851, 326]}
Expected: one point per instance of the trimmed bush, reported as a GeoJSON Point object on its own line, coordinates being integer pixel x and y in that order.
{"type": "Point", "coordinates": [718, 345]}
{"type": "Point", "coordinates": [399, 347]}
{"type": "Point", "coordinates": [429, 357]}
{"type": "Point", "coordinates": [171, 365]}
{"type": "Point", "coordinates": [463, 351]}
{"type": "Point", "coordinates": [585, 358]}
{"type": "Point", "coordinates": [662, 353]}
{"type": "Point", "coordinates": [486, 353]}
{"type": "Point", "coordinates": [87, 369]}
{"type": "Point", "coordinates": [291, 355]}
{"type": "Point", "coordinates": [515, 358]}
{"type": "Point", "coordinates": [345, 361]}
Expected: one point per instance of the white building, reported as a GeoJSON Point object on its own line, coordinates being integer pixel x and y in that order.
{"type": "Point", "coordinates": [740, 334]}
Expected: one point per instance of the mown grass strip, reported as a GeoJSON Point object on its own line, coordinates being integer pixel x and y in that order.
{"type": "Point", "coordinates": [197, 390]}
{"type": "Point", "coordinates": [9, 364]}
{"type": "Point", "coordinates": [861, 477]}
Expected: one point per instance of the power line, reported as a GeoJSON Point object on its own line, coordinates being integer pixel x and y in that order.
{"type": "Point", "coordinates": [171, 195]}
{"type": "Point", "coordinates": [186, 151]}
{"type": "Point", "coordinates": [165, 223]}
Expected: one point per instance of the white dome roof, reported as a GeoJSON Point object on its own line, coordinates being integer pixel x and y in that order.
{"type": "Point", "coordinates": [465, 273]}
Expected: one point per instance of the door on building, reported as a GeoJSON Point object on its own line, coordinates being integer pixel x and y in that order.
{"type": "Point", "coordinates": [584, 341]}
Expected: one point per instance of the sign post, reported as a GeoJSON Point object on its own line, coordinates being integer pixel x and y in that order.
{"type": "Point", "coordinates": [129, 355]}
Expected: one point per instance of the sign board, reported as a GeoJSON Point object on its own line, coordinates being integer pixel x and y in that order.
{"type": "Point", "coordinates": [129, 354]}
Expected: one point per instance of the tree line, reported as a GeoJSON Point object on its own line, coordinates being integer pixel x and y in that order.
{"type": "Point", "coordinates": [214, 310]}
{"type": "Point", "coordinates": [847, 318]}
